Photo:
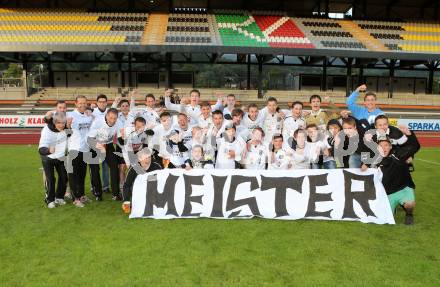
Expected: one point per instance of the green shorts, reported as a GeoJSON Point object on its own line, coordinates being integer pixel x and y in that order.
{"type": "Point", "coordinates": [400, 197]}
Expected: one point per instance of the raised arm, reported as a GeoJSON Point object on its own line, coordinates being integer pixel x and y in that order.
{"type": "Point", "coordinates": [351, 101]}
{"type": "Point", "coordinates": [169, 105]}
{"type": "Point", "coordinates": [219, 104]}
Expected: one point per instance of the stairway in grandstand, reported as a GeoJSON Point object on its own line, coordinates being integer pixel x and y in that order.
{"type": "Point", "coordinates": [363, 36]}
{"type": "Point", "coordinates": [260, 30]}
{"type": "Point", "coordinates": [155, 29]}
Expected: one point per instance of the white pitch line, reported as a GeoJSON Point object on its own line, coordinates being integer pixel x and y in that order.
{"type": "Point", "coordinates": [428, 161]}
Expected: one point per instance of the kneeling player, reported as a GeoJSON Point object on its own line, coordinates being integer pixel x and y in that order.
{"type": "Point", "coordinates": [145, 165]}
{"type": "Point", "coordinates": [198, 160]}
{"type": "Point", "coordinates": [397, 179]}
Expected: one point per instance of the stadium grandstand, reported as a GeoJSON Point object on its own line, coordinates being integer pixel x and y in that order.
{"type": "Point", "coordinates": [52, 50]}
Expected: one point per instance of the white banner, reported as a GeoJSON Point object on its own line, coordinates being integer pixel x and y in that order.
{"type": "Point", "coordinates": [338, 194]}
{"type": "Point", "coordinates": [21, 121]}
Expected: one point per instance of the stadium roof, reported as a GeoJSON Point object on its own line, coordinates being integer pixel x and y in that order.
{"type": "Point", "coordinates": [383, 9]}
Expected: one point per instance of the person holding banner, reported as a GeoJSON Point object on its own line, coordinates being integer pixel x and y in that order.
{"type": "Point", "coordinates": [396, 178]}
{"type": "Point", "coordinates": [52, 149]}
{"type": "Point", "coordinates": [301, 154]}
{"type": "Point", "coordinates": [198, 159]}
{"type": "Point", "coordinates": [177, 149]}
{"type": "Point", "coordinates": [144, 165]}
{"type": "Point", "coordinates": [279, 158]}
{"type": "Point", "coordinates": [255, 153]}
{"type": "Point", "coordinates": [229, 149]}
{"type": "Point", "coordinates": [159, 140]}
{"type": "Point", "coordinates": [134, 138]}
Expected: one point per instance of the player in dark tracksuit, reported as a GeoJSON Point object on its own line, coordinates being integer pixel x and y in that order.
{"type": "Point", "coordinates": [52, 149]}
{"type": "Point", "coordinates": [397, 179]}
{"type": "Point", "coordinates": [145, 165]}
{"type": "Point", "coordinates": [100, 140]}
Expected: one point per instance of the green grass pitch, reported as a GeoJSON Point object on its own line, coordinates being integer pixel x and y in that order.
{"type": "Point", "coordinates": [99, 246]}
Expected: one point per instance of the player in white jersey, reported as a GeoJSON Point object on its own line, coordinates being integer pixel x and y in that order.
{"type": "Point", "coordinates": [241, 130]}
{"type": "Point", "coordinates": [124, 111]}
{"type": "Point", "coordinates": [271, 119]}
{"type": "Point", "coordinates": [292, 123]}
{"type": "Point", "coordinates": [318, 145]}
{"type": "Point", "coordinates": [77, 146]}
{"type": "Point", "coordinates": [279, 157]}
{"type": "Point", "coordinates": [98, 113]}
{"type": "Point", "coordinates": [255, 154]}
{"type": "Point", "coordinates": [251, 119]}
{"type": "Point", "coordinates": [301, 154]}
{"type": "Point", "coordinates": [230, 105]}
{"type": "Point", "coordinates": [150, 113]}
{"type": "Point", "coordinates": [133, 139]}
{"type": "Point", "coordinates": [229, 149]}
{"type": "Point", "coordinates": [161, 133]}
{"type": "Point", "coordinates": [205, 118]}
{"type": "Point", "coordinates": [60, 107]}
{"type": "Point", "coordinates": [52, 149]}
{"type": "Point", "coordinates": [208, 144]}
{"type": "Point", "coordinates": [183, 127]}
{"type": "Point", "coordinates": [100, 140]}
{"type": "Point", "coordinates": [192, 109]}
{"type": "Point", "coordinates": [101, 109]}
{"type": "Point", "coordinates": [177, 149]}
{"type": "Point", "coordinates": [198, 160]}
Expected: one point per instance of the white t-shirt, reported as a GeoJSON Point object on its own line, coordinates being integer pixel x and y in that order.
{"type": "Point", "coordinates": [57, 139]}
{"type": "Point", "coordinates": [272, 124]}
{"type": "Point", "coordinates": [80, 128]}
{"type": "Point", "coordinates": [177, 157]}
{"type": "Point", "coordinates": [192, 111]}
{"type": "Point", "coordinates": [223, 147]}
{"type": "Point", "coordinates": [290, 125]}
{"type": "Point", "coordinates": [242, 132]}
{"type": "Point", "coordinates": [281, 160]}
{"type": "Point", "coordinates": [185, 134]}
{"type": "Point", "coordinates": [250, 124]}
{"type": "Point", "coordinates": [204, 123]}
{"type": "Point", "coordinates": [98, 114]}
{"type": "Point", "coordinates": [122, 118]}
{"type": "Point", "coordinates": [150, 115]}
{"type": "Point", "coordinates": [102, 132]}
{"type": "Point", "coordinates": [256, 157]}
{"type": "Point", "coordinates": [160, 139]}
{"type": "Point", "coordinates": [315, 149]}
{"type": "Point", "coordinates": [300, 159]}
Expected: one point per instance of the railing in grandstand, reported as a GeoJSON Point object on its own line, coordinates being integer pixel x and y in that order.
{"type": "Point", "coordinates": [242, 95]}
{"type": "Point", "coordinates": [6, 83]}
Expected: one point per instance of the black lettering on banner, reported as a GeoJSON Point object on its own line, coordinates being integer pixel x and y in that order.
{"type": "Point", "coordinates": [362, 198]}
{"type": "Point", "coordinates": [160, 199]}
{"type": "Point", "coordinates": [189, 181]}
{"type": "Point", "coordinates": [314, 181]}
{"type": "Point", "coordinates": [281, 184]}
{"type": "Point", "coordinates": [217, 205]}
{"type": "Point", "coordinates": [232, 203]}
